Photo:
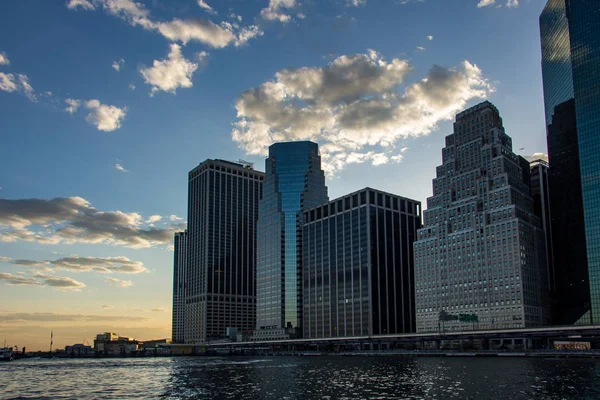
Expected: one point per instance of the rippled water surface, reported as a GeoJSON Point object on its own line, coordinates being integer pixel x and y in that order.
{"type": "Point", "coordinates": [302, 378]}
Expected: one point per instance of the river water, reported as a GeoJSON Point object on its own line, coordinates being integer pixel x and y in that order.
{"type": "Point", "coordinates": [302, 378]}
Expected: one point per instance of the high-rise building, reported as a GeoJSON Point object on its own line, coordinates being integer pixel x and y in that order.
{"type": "Point", "coordinates": [480, 257]}
{"type": "Point", "coordinates": [570, 36]}
{"type": "Point", "coordinates": [539, 190]}
{"type": "Point", "coordinates": [220, 292]}
{"type": "Point", "coordinates": [179, 273]}
{"type": "Point", "coordinates": [358, 266]}
{"type": "Point", "coordinates": [294, 181]}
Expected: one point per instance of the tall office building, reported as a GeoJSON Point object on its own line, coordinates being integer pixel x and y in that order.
{"type": "Point", "coordinates": [358, 266]}
{"type": "Point", "coordinates": [294, 181]}
{"type": "Point", "coordinates": [570, 36]}
{"type": "Point", "coordinates": [220, 292]}
{"type": "Point", "coordinates": [480, 257]}
{"type": "Point", "coordinates": [539, 190]}
{"type": "Point", "coordinates": [179, 271]}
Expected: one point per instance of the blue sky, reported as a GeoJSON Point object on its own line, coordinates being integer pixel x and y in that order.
{"type": "Point", "coordinates": [107, 104]}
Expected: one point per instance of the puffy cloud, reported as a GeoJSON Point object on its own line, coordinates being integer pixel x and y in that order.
{"type": "Point", "coordinates": [206, 32]}
{"type": "Point", "coordinates": [83, 4]}
{"type": "Point", "coordinates": [72, 105]}
{"type": "Point", "coordinates": [512, 3]}
{"type": "Point", "coordinates": [4, 58]}
{"type": "Point", "coordinates": [485, 3]}
{"type": "Point", "coordinates": [132, 86]}
{"type": "Point", "coordinates": [117, 64]}
{"type": "Point", "coordinates": [17, 83]}
{"type": "Point", "coordinates": [118, 282]}
{"type": "Point", "coordinates": [276, 10]}
{"type": "Point", "coordinates": [153, 218]}
{"type": "Point", "coordinates": [202, 4]}
{"type": "Point", "coordinates": [353, 107]}
{"type": "Point", "coordinates": [74, 220]}
{"type": "Point", "coordinates": [105, 117]}
{"type": "Point", "coordinates": [429, 37]}
{"type": "Point", "coordinates": [57, 282]}
{"type": "Point", "coordinates": [170, 74]}
{"type": "Point", "coordinates": [173, 217]}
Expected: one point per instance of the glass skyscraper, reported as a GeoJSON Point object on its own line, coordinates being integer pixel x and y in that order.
{"type": "Point", "coordinates": [179, 271]}
{"type": "Point", "coordinates": [358, 265]}
{"type": "Point", "coordinates": [294, 181]}
{"type": "Point", "coordinates": [570, 35]}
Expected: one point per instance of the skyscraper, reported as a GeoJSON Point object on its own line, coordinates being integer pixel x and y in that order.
{"type": "Point", "coordinates": [294, 181]}
{"type": "Point", "coordinates": [220, 292]}
{"type": "Point", "coordinates": [570, 35]}
{"type": "Point", "coordinates": [358, 265]}
{"type": "Point", "coordinates": [179, 272]}
{"type": "Point", "coordinates": [480, 257]}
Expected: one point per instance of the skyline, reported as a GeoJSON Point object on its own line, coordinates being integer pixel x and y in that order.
{"type": "Point", "coordinates": [110, 148]}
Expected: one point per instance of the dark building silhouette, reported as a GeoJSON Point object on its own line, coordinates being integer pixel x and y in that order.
{"type": "Point", "coordinates": [569, 281]}
{"type": "Point", "coordinates": [358, 265]}
{"type": "Point", "coordinates": [179, 274]}
{"type": "Point", "coordinates": [220, 289]}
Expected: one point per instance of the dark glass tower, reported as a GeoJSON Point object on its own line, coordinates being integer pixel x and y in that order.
{"type": "Point", "coordinates": [294, 181]}
{"type": "Point", "coordinates": [220, 289]}
{"type": "Point", "coordinates": [570, 34]}
{"type": "Point", "coordinates": [358, 265]}
{"type": "Point", "coordinates": [179, 271]}
{"type": "Point", "coordinates": [481, 251]}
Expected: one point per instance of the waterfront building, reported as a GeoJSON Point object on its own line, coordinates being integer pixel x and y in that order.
{"type": "Point", "coordinates": [570, 37]}
{"type": "Point", "coordinates": [219, 281]}
{"type": "Point", "coordinates": [294, 181]}
{"type": "Point", "coordinates": [357, 265]}
{"type": "Point", "coordinates": [480, 257]}
{"type": "Point", "coordinates": [179, 273]}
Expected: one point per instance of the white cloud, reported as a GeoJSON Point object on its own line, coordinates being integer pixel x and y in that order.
{"type": "Point", "coordinates": [73, 220]}
{"type": "Point", "coordinates": [175, 218]}
{"type": "Point", "coordinates": [170, 74]}
{"type": "Point", "coordinates": [118, 282]}
{"type": "Point", "coordinates": [105, 117]}
{"type": "Point", "coordinates": [207, 32]}
{"type": "Point", "coordinates": [356, 3]}
{"type": "Point", "coordinates": [206, 7]}
{"type": "Point", "coordinates": [132, 86]}
{"type": "Point", "coordinates": [120, 168]}
{"type": "Point", "coordinates": [83, 4]}
{"type": "Point", "coordinates": [117, 64]}
{"type": "Point", "coordinates": [153, 218]}
{"type": "Point", "coordinates": [56, 282]}
{"type": "Point", "coordinates": [421, 48]}
{"type": "Point", "coordinates": [353, 107]}
{"type": "Point", "coordinates": [4, 59]}
{"type": "Point", "coordinates": [17, 83]}
{"type": "Point", "coordinates": [485, 3]}
{"type": "Point", "coordinates": [276, 10]}
{"type": "Point", "coordinates": [512, 3]}
{"type": "Point", "coordinates": [429, 37]}
{"type": "Point", "coordinates": [72, 105]}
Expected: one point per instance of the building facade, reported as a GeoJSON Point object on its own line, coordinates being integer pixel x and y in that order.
{"type": "Point", "coordinates": [358, 266]}
{"type": "Point", "coordinates": [179, 273]}
{"type": "Point", "coordinates": [219, 282]}
{"type": "Point", "coordinates": [294, 181]}
{"type": "Point", "coordinates": [480, 259]}
{"type": "Point", "coordinates": [570, 36]}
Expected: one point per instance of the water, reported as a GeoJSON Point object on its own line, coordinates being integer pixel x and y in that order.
{"type": "Point", "coordinates": [302, 378]}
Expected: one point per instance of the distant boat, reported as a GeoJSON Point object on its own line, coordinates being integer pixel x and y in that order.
{"type": "Point", "coordinates": [6, 354]}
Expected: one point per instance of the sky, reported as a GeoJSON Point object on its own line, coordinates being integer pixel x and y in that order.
{"type": "Point", "coordinates": [106, 105]}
